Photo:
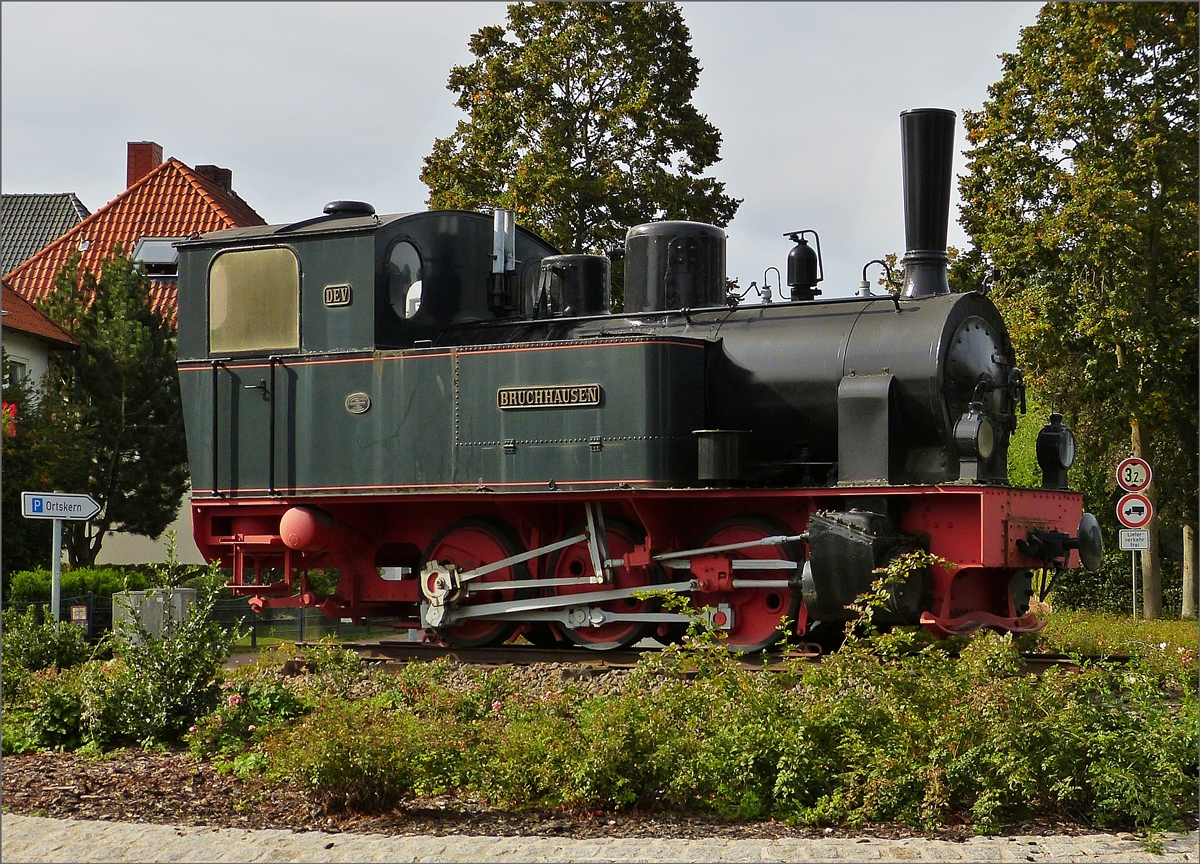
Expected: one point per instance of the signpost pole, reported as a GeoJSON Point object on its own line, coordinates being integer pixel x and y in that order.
{"type": "Point", "coordinates": [1133, 562]}
{"type": "Point", "coordinates": [56, 573]}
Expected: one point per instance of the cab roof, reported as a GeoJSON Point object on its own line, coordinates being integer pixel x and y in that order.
{"type": "Point", "coordinates": [306, 227]}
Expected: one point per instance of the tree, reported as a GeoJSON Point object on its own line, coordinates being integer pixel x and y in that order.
{"type": "Point", "coordinates": [26, 541]}
{"type": "Point", "coordinates": [581, 120]}
{"type": "Point", "coordinates": [112, 408]}
{"type": "Point", "coordinates": [1081, 200]}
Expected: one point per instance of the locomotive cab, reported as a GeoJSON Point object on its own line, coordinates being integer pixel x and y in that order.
{"type": "Point", "coordinates": [355, 283]}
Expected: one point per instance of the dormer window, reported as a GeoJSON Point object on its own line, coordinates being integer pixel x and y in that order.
{"type": "Point", "coordinates": [158, 257]}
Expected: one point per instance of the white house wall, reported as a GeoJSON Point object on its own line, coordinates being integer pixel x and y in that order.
{"type": "Point", "coordinates": [29, 350]}
{"type": "Point", "coordinates": [121, 548]}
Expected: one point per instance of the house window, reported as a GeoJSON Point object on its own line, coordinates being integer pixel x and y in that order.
{"type": "Point", "coordinates": [254, 301]}
{"type": "Point", "coordinates": [18, 371]}
{"type": "Point", "coordinates": [404, 279]}
{"type": "Point", "coordinates": [158, 257]}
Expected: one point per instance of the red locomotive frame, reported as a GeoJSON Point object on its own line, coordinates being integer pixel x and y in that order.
{"type": "Point", "coordinates": [976, 528]}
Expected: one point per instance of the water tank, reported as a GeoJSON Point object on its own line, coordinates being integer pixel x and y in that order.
{"type": "Point", "coordinates": [573, 285]}
{"type": "Point", "coordinates": [674, 265]}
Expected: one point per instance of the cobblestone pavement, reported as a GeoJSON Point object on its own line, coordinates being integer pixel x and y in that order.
{"type": "Point", "coordinates": [33, 839]}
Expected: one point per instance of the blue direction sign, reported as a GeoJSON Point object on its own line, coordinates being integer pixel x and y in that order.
{"type": "Point", "coordinates": [58, 505]}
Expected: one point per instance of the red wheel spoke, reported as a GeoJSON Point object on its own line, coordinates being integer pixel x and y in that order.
{"type": "Point", "coordinates": [574, 562]}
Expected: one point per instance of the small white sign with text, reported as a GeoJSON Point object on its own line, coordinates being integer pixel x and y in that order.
{"type": "Point", "coordinates": [1134, 539]}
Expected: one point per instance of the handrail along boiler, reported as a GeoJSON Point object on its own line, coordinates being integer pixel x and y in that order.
{"type": "Point", "coordinates": [441, 407]}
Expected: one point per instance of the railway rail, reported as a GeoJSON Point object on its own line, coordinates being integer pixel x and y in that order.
{"type": "Point", "coordinates": [399, 653]}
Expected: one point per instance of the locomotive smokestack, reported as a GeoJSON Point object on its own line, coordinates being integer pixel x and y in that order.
{"type": "Point", "coordinates": [927, 149]}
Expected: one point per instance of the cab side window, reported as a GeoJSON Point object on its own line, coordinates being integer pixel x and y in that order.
{"type": "Point", "coordinates": [405, 273]}
{"type": "Point", "coordinates": [254, 302]}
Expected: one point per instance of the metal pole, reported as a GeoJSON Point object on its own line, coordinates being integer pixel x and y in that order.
{"type": "Point", "coordinates": [56, 572]}
{"type": "Point", "coordinates": [1133, 570]}
{"type": "Point", "coordinates": [271, 430]}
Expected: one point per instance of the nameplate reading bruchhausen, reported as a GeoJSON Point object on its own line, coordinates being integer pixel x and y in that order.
{"type": "Point", "coordinates": [570, 396]}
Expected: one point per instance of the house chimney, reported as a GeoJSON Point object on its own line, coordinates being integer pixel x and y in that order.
{"type": "Point", "coordinates": [144, 157]}
{"type": "Point", "coordinates": [223, 177]}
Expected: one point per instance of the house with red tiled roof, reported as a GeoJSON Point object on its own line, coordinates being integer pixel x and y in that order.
{"type": "Point", "coordinates": [29, 336]}
{"type": "Point", "coordinates": [162, 202]}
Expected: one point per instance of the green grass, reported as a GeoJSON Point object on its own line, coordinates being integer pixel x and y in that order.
{"type": "Point", "coordinates": [273, 635]}
{"type": "Point", "coordinates": [262, 643]}
{"type": "Point", "coordinates": [1169, 647]}
{"type": "Point", "coordinates": [1105, 633]}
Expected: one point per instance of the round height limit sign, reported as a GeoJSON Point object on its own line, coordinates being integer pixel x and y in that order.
{"type": "Point", "coordinates": [1134, 474]}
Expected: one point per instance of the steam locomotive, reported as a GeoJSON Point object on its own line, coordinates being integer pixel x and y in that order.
{"type": "Point", "coordinates": [440, 407]}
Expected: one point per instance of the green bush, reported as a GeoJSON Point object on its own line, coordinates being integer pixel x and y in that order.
{"type": "Point", "coordinates": [890, 729]}
{"type": "Point", "coordinates": [1109, 589]}
{"type": "Point", "coordinates": [17, 734]}
{"type": "Point", "coordinates": [104, 581]}
{"type": "Point", "coordinates": [349, 755]}
{"type": "Point", "coordinates": [924, 737]}
{"type": "Point", "coordinates": [155, 689]}
{"type": "Point", "coordinates": [56, 705]}
{"type": "Point", "coordinates": [248, 710]}
{"type": "Point", "coordinates": [31, 644]}
{"type": "Point", "coordinates": [49, 716]}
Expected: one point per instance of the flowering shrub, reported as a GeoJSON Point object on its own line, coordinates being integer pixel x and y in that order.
{"type": "Point", "coordinates": [247, 712]}
{"type": "Point", "coordinates": [890, 729]}
{"type": "Point", "coordinates": [8, 420]}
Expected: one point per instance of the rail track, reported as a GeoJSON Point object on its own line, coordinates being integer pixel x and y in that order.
{"type": "Point", "coordinates": [399, 653]}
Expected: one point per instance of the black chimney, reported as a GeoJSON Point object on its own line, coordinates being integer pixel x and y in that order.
{"type": "Point", "coordinates": [927, 148]}
{"type": "Point", "coordinates": [223, 177]}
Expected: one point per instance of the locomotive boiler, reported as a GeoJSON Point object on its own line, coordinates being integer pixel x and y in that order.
{"type": "Point", "coordinates": [440, 407]}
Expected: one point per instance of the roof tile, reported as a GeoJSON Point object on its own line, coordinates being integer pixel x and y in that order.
{"type": "Point", "coordinates": [170, 201]}
{"type": "Point", "coordinates": [23, 317]}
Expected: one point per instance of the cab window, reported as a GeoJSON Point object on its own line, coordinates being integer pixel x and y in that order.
{"type": "Point", "coordinates": [405, 273]}
{"type": "Point", "coordinates": [254, 301]}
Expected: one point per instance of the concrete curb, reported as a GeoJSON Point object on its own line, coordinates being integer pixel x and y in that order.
{"type": "Point", "coordinates": [34, 839]}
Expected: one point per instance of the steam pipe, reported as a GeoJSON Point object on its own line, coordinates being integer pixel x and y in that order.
{"type": "Point", "coordinates": [927, 147]}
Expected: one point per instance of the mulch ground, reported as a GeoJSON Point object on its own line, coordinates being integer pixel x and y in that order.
{"type": "Point", "coordinates": [172, 788]}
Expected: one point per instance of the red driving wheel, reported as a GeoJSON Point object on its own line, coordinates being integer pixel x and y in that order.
{"type": "Point", "coordinates": [576, 561]}
{"type": "Point", "coordinates": [758, 613]}
{"type": "Point", "coordinates": [468, 544]}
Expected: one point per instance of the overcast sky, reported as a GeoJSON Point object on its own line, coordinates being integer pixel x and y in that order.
{"type": "Point", "coordinates": [307, 103]}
